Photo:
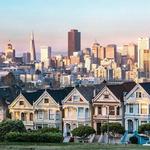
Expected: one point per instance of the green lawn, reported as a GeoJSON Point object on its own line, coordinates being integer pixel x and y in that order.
{"type": "Point", "coordinates": [31, 146]}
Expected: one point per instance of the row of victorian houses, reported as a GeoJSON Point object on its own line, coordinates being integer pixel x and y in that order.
{"type": "Point", "coordinates": [67, 108]}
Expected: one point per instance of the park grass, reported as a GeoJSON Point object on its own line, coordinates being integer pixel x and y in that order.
{"type": "Point", "coordinates": [70, 146]}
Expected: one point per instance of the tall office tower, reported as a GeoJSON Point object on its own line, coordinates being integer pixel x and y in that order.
{"type": "Point", "coordinates": [146, 62]}
{"type": "Point", "coordinates": [26, 57]}
{"type": "Point", "coordinates": [46, 56]}
{"type": "Point", "coordinates": [95, 48]}
{"type": "Point", "coordinates": [74, 42]}
{"type": "Point", "coordinates": [98, 53]}
{"type": "Point", "coordinates": [143, 44]}
{"type": "Point", "coordinates": [101, 53]}
{"type": "Point", "coordinates": [10, 52]}
{"type": "Point", "coordinates": [32, 48]}
{"type": "Point", "coordinates": [132, 52]}
{"type": "Point", "coordinates": [111, 52]}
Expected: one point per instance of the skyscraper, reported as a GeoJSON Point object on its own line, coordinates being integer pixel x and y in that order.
{"type": "Point", "coordinates": [46, 55]}
{"type": "Point", "coordinates": [32, 48]}
{"type": "Point", "coordinates": [111, 52]}
{"type": "Point", "coordinates": [143, 44]}
{"type": "Point", "coordinates": [74, 41]}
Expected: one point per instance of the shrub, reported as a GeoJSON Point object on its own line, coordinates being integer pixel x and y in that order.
{"type": "Point", "coordinates": [46, 129]}
{"type": "Point", "coordinates": [133, 140]}
{"type": "Point", "coordinates": [83, 131]}
{"type": "Point", "coordinates": [115, 128]}
{"type": "Point", "coordinates": [10, 126]}
{"type": "Point", "coordinates": [144, 128]}
{"type": "Point", "coordinates": [34, 137]}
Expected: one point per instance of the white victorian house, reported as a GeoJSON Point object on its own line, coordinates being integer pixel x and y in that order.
{"type": "Point", "coordinates": [77, 108]}
{"type": "Point", "coordinates": [137, 103]}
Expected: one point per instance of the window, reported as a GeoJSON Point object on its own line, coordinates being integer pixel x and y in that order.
{"type": "Point", "coordinates": [118, 110]}
{"type": "Point", "coordinates": [143, 122]}
{"type": "Point", "coordinates": [23, 116]}
{"type": "Point", "coordinates": [57, 115]}
{"type": "Point", "coordinates": [51, 115]}
{"type": "Point", "coordinates": [130, 108]}
{"type": "Point", "coordinates": [80, 112]}
{"type": "Point", "coordinates": [76, 98]}
{"type": "Point", "coordinates": [21, 103]}
{"type": "Point", "coordinates": [138, 94]}
{"type": "Point", "coordinates": [143, 108]}
{"type": "Point", "coordinates": [46, 100]}
{"type": "Point", "coordinates": [40, 114]}
{"type": "Point", "coordinates": [31, 116]}
{"type": "Point", "coordinates": [111, 110]}
{"type": "Point", "coordinates": [100, 110]}
{"type": "Point", "coordinates": [106, 96]}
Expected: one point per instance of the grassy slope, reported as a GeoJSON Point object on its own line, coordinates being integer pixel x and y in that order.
{"type": "Point", "coordinates": [33, 146]}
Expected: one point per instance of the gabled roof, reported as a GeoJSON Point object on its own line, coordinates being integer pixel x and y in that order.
{"type": "Point", "coordinates": [88, 91]}
{"type": "Point", "coordinates": [32, 96]}
{"type": "Point", "coordinates": [119, 89]}
{"type": "Point", "coordinates": [146, 86]}
{"type": "Point", "coordinates": [59, 94]}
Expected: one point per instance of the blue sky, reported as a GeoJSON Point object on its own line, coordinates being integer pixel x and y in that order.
{"type": "Point", "coordinates": [107, 21]}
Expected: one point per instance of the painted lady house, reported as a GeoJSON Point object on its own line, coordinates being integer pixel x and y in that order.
{"type": "Point", "coordinates": [137, 103]}
{"type": "Point", "coordinates": [39, 109]}
{"type": "Point", "coordinates": [108, 104]}
{"type": "Point", "coordinates": [77, 108]}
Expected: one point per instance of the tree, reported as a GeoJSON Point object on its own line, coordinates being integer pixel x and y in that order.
{"type": "Point", "coordinates": [144, 128]}
{"type": "Point", "coordinates": [11, 126]}
{"type": "Point", "coordinates": [83, 131]}
{"type": "Point", "coordinates": [114, 128]}
{"type": "Point", "coordinates": [9, 79]}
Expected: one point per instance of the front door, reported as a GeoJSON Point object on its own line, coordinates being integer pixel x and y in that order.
{"type": "Point", "coordinates": [98, 128]}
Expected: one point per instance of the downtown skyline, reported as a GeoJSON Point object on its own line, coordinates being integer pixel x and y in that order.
{"type": "Point", "coordinates": [109, 21]}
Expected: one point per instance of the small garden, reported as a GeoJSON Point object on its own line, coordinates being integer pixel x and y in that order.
{"type": "Point", "coordinates": [15, 131]}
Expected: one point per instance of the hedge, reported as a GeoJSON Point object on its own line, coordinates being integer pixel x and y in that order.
{"type": "Point", "coordinates": [11, 126]}
{"type": "Point", "coordinates": [34, 137]}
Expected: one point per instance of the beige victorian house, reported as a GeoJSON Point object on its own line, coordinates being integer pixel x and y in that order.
{"type": "Point", "coordinates": [39, 109]}
{"type": "Point", "coordinates": [108, 105]}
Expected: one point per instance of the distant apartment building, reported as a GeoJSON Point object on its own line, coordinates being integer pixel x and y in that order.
{"type": "Point", "coordinates": [26, 58]}
{"type": "Point", "coordinates": [74, 41]}
{"type": "Point", "coordinates": [10, 52]}
{"type": "Point", "coordinates": [143, 44]}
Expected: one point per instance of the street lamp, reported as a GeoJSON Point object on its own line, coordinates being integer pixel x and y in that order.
{"type": "Point", "coordinates": [108, 128]}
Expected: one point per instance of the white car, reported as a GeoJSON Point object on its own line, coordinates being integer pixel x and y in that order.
{"type": "Point", "coordinates": [147, 144]}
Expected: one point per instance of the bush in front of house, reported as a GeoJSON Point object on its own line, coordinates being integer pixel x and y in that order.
{"type": "Point", "coordinates": [11, 126]}
{"type": "Point", "coordinates": [113, 127]}
{"type": "Point", "coordinates": [144, 128]}
{"type": "Point", "coordinates": [133, 140]}
{"type": "Point", "coordinates": [34, 137]}
{"type": "Point", "coordinates": [83, 131]}
{"type": "Point", "coordinates": [46, 130]}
